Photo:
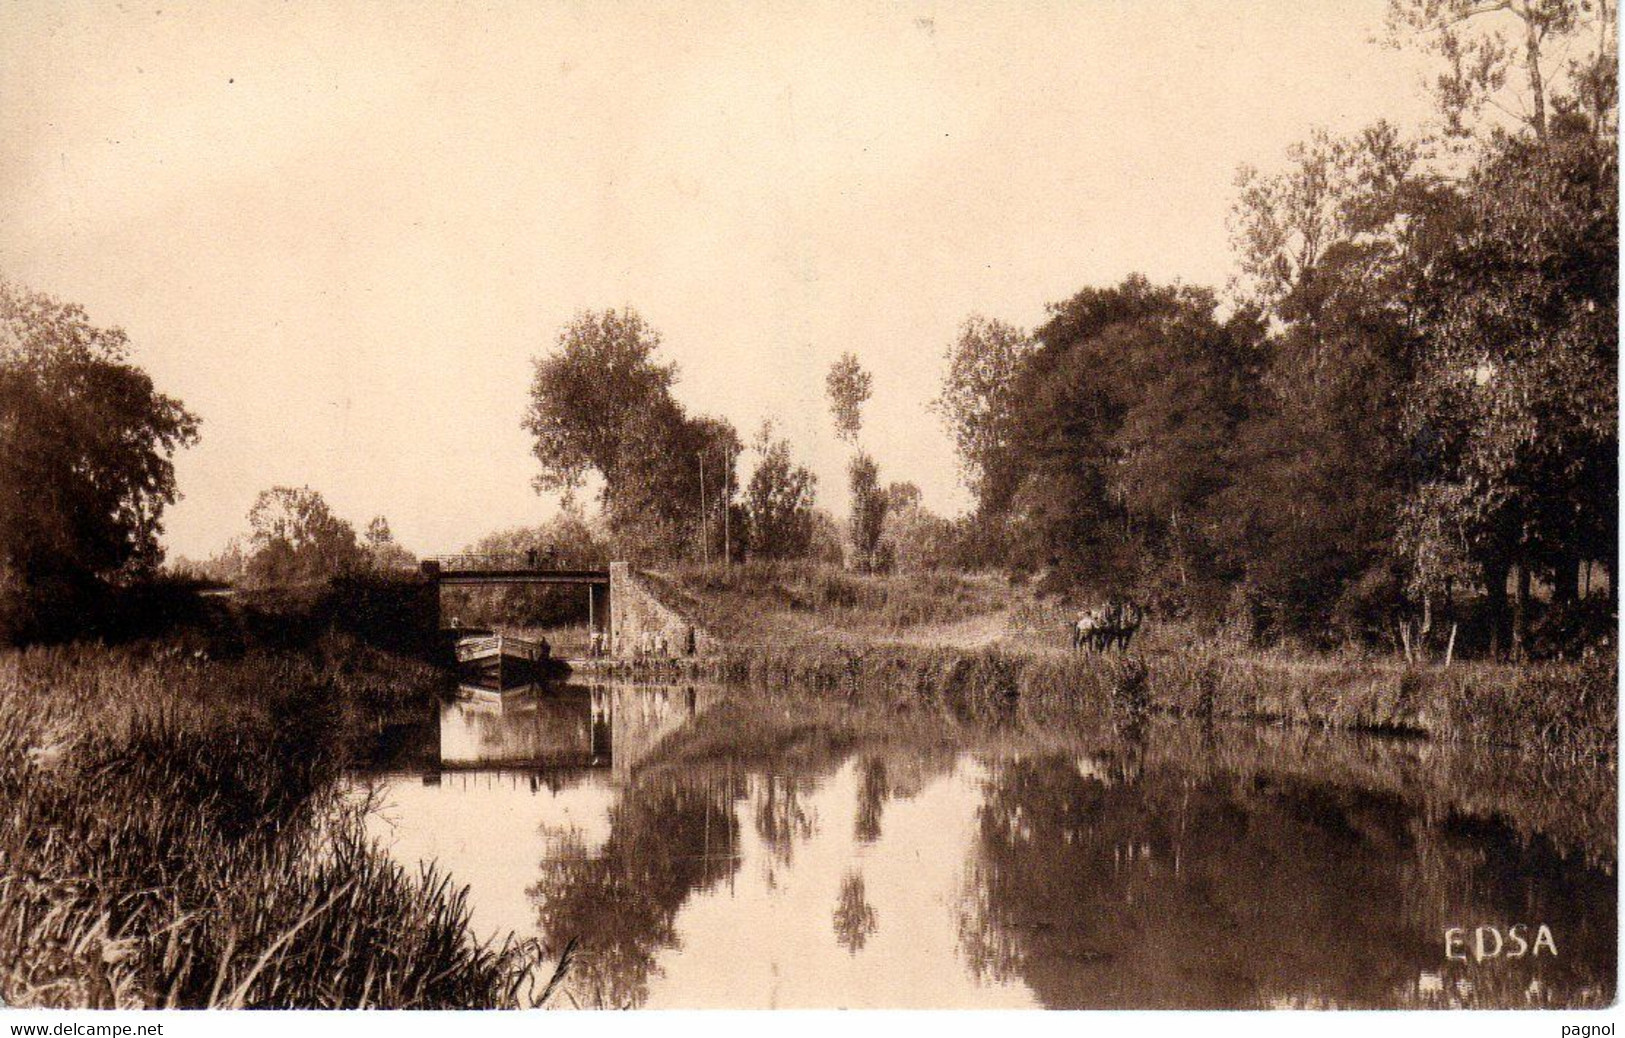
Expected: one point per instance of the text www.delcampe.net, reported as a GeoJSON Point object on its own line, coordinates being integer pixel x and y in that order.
{"type": "Point", "coordinates": [89, 1030]}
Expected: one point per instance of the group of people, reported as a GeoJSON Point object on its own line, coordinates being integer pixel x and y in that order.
{"type": "Point", "coordinates": [542, 558]}
{"type": "Point", "coordinates": [660, 644]}
{"type": "Point", "coordinates": [1102, 627]}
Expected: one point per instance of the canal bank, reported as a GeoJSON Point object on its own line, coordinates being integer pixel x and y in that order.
{"type": "Point", "coordinates": [969, 646]}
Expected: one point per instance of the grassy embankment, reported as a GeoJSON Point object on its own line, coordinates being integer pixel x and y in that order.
{"type": "Point", "coordinates": [977, 647]}
{"type": "Point", "coordinates": [172, 833]}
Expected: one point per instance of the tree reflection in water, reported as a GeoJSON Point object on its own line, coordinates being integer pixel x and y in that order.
{"type": "Point", "coordinates": [781, 820]}
{"type": "Point", "coordinates": [872, 795]}
{"type": "Point", "coordinates": [669, 836]}
{"type": "Point", "coordinates": [1102, 880]}
{"type": "Point", "coordinates": [1157, 865]}
{"type": "Point", "coordinates": [854, 918]}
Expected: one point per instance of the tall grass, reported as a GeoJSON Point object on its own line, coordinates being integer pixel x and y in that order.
{"type": "Point", "coordinates": [170, 835]}
{"type": "Point", "coordinates": [738, 598]}
{"type": "Point", "coordinates": [1562, 709]}
{"type": "Point", "coordinates": [1558, 708]}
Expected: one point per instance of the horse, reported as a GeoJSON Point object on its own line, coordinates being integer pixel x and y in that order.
{"type": "Point", "coordinates": [1126, 620]}
{"type": "Point", "coordinates": [1103, 627]}
{"type": "Point", "coordinates": [1089, 630]}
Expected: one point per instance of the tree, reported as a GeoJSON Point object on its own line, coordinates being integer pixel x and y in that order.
{"type": "Point", "coordinates": [869, 504]}
{"type": "Point", "coordinates": [914, 539]}
{"type": "Point", "coordinates": [1308, 513]}
{"type": "Point", "coordinates": [827, 543]}
{"type": "Point", "coordinates": [975, 401]}
{"type": "Point", "coordinates": [297, 539]}
{"type": "Point", "coordinates": [1334, 248]}
{"type": "Point", "coordinates": [1515, 390]}
{"type": "Point", "coordinates": [716, 447]}
{"type": "Point", "coordinates": [86, 449]}
{"type": "Point", "coordinates": [779, 500]}
{"type": "Point", "coordinates": [671, 481]}
{"type": "Point", "coordinates": [1334, 190]}
{"type": "Point", "coordinates": [584, 395]}
{"type": "Point", "coordinates": [601, 404]}
{"type": "Point", "coordinates": [385, 552]}
{"type": "Point", "coordinates": [1116, 422]}
{"type": "Point", "coordinates": [1481, 42]}
{"type": "Point", "coordinates": [848, 387]}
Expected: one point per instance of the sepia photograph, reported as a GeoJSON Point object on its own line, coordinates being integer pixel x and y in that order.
{"type": "Point", "coordinates": [808, 505]}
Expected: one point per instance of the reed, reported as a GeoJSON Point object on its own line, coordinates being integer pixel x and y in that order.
{"type": "Point", "coordinates": [171, 834]}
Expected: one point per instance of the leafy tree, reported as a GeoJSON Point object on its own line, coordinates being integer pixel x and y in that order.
{"type": "Point", "coordinates": [671, 477]}
{"type": "Point", "coordinates": [716, 447]}
{"type": "Point", "coordinates": [601, 404]}
{"type": "Point", "coordinates": [914, 539]}
{"type": "Point", "coordinates": [1334, 190]}
{"type": "Point", "coordinates": [1330, 247]}
{"type": "Point", "coordinates": [901, 496]}
{"type": "Point", "coordinates": [1515, 391]}
{"type": "Point", "coordinates": [1120, 412]}
{"type": "Point", "coordinates": [778, 500]}
{"type": "Point", "coordinates": [86, 448]}
{"type": "Point", "coordinates": [976, 401]}
{"type": "Point", "coordinates": [828, 541]}
{"type": "Point", "coordinates": [379, 533]}
{"type": "Point", "coordinates": [869, 504]}
{"type": "Point", "coordinates": [384, 551]}
{"type": "Point", "coordinates": [848, 387]}
{"type": "Point", "coordinates": [229, 565]}
{"type": "Point", "coordinates": [297, 539]}
{"type": "Point", "coordinates": [585, 394]}
{"type": "Point", "coordinates": [1309, 513]}
{"type": "Point", "coordinates": [1485, 43]}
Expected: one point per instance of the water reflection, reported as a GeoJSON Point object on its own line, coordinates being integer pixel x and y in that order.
{"type": "Point", "coordinates": [565, 728]}
{"type": "Point", "coordinates": [667, 840]}
{"type": "Point", "coordinates": [712, 851]}
{"type": "Point", "coordinates": [562, 725]}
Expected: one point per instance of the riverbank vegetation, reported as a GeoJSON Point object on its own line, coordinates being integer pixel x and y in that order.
{"type": "Point", "coordinates": [173, 833]}
{"type": "Point", "coordinates": [1566, 710]}
{"type": "Point", "coordinates": [981, 647]}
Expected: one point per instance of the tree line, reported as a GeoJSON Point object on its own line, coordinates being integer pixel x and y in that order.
{"type": "Point", "coordinates": [1408, 407]}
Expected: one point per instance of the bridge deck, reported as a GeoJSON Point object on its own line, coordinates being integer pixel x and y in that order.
{"type": "Point", "coordinates": [577, 577]}
{"type": "Point", "coordinates": [533, 567]}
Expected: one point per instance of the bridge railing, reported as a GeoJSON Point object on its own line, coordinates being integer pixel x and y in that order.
{"type": "Point", "coordinates": [497, 561]}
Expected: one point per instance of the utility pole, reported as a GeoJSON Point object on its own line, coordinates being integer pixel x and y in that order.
{"type": "Point", "coordinates": [727, 505]}
{"type": "Point", "coordinates": [705, 547]}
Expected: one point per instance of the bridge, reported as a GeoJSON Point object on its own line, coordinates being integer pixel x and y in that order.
{"type": "Point", "coordinates": [484, 570]}
{"type": "Point", "coordinates": [627, 606]}
{"type": "Point", "coordinates": [530, 568]}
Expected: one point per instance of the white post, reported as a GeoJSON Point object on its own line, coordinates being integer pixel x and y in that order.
{"type": "Point", "coordinates": [705, 547]}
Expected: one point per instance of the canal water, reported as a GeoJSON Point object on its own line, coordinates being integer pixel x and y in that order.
{"type": "Point", "coordinates": [708, 848]}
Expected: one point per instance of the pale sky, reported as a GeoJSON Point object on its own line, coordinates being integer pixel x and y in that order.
{"type": "Point", "coordinates": [340, 231]}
